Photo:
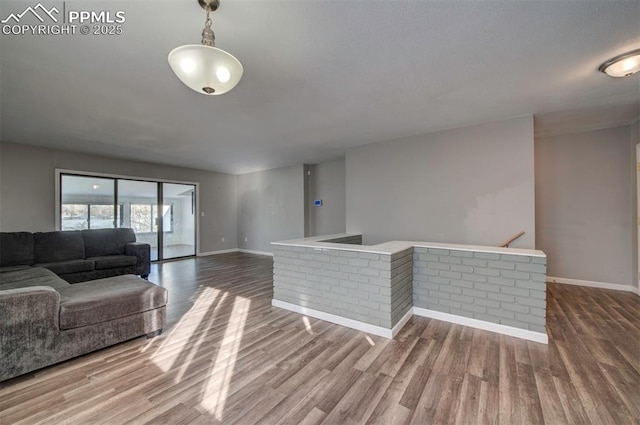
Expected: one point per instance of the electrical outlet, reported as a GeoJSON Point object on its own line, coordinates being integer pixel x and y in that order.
{"type": "Point", "coordinates": [202, 214]}
{"type": "Point", "coordinates": [246, 239]}
{"type": "Point", "coordinates": [223, 239]}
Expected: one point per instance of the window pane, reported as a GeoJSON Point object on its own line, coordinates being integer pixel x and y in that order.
{"type": "Point", "coordinates": [141, 218]}
{"type": "Point", "coordinates": [137, 197]}
{"type": "Point", "coordinates": [74, 217]}
{"type": "Point", "coordinates": [167, 218]}
{"type": "Point", "coordinates": [94, 199]}
{"type": "Point", "coordinates": [101, 216]}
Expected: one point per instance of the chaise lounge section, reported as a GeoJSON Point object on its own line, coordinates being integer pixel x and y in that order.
{"type": "Point", "coordinates": [45, 320]}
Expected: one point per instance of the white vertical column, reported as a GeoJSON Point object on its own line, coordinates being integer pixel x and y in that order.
{"type": "Point", "coordinates": [638, 206]}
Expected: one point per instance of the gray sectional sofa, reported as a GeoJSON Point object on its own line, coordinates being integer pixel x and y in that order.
{"type": "Point", "coordinates": [44, 319]}
{"type": "Point", "coordinates": [77, 256]}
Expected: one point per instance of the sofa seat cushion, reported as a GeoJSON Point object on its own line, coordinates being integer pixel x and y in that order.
{"type": "Point", "coordinates": [69, 266]}
{"type": "Point", "coordinates": [32, 276]}
{"type": "Point", "coordinates": [113, 261]}
{"type": "Point", "coordinates": [13, 269]}
{"type": "Point", "coordinates": [97, 301]}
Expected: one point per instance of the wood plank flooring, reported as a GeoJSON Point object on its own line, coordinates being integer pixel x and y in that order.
{"type": "Point", "coordinates": [228, 357]}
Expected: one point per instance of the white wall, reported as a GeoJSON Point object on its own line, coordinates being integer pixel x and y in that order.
{"type": "Point", "coordinates": [327, 183]}
{"type": "Point", "coordinates": [270, 207]}
{"type": "Point", "coordinates": [472, 185]}
{"type": "Point", "coordinates": [27, 186]}
{"type": "Point", "coordinates": [584, 205]}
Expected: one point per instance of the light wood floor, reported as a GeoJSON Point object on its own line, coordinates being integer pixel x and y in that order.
{"type": "Point", "coordinates": [229, 357]}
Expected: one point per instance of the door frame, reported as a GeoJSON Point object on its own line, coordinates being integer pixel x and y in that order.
{"type": "Point", "coordinates": [59, 172]}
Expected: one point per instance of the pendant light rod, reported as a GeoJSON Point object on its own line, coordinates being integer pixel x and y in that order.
{"type": "Point", "coordinates": [211, 5]}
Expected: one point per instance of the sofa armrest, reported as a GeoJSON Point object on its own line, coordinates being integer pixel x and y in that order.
{"type": "Point", "coordinates": [142, 251]}
{"type": "Point", "coordinates": [29, 304]}
{"type": "Point", "coordinates": [29, 324]}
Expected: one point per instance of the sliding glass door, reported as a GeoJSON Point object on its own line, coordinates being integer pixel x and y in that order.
{"type": "Point", "coordinates": [178, 220]}
{"type": "Point", "coordinates": [140, 201]}
{"type": "Point", "coordinates": [162, 214]}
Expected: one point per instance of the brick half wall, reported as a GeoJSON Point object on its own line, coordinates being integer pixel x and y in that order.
{"type": "Point", "coordinates": [497, 288]}
{"type": "Point", "coordinates": [350, 284]}
{"type": "Point", "coordinates": [401, 284]}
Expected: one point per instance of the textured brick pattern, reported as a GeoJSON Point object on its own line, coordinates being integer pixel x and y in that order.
{"type": "Point", "coordinates": [498, 288]}
{"type": "Point", "coordinates": [355, 285]}
{"type": "Point", "coordinates": [353, 240]}
{"type": "Point", "coordinates": [401, 284]}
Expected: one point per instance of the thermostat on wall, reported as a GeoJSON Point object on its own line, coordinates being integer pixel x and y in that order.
{"type": "Point", "coordinates": [317, 203]}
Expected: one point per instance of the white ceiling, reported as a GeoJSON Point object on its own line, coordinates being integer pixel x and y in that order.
{"type": "Point", "coordinates": [320, 76]}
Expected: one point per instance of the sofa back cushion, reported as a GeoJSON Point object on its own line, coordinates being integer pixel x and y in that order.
{"type": "Point", "coordinates": [51, 247]}
{"type": "Point", "coordinates": [16, 249]}
{"type": "Point", "coordinates": [125, 236]}
{"type": "Point", "coordinates": [101, 242]}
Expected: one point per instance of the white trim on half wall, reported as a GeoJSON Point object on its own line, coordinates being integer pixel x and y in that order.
{"type": "Point", "coordinates": [390, 333]}
{"type": "Point", "coordinates": [332, 318]}
{"type": "Point", "coordinates": [481, 324]}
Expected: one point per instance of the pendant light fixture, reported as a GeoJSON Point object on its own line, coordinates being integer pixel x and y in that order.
{"type": "Point", "coordinates": [622, 65]}
{"type": "Point", "coordinates": [203, 67]}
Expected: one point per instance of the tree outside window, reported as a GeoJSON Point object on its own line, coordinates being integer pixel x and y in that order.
{"type": "Point", "coordinates": [144, 218]}
{"type": "Point", "coordinates": [89, 216]}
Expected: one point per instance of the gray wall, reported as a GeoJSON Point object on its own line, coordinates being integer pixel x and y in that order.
{"type": "Point", "coordinates": [327, 182]}
{"type": "Point", "coordinates": [472, 185]}
{"type": "Point", "coordinates": [584, 212]}
{"type": "Point", "coordinates": [27, 188]}
{"type": "Point", "coordinates": [270, 207]}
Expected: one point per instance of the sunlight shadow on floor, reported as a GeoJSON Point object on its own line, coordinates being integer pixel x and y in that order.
{"type": "Point", "coordinates": [173, 343]}
{"type": "Point", "coordinates": [217, 387]}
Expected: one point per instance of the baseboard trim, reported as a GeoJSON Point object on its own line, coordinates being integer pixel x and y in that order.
{"type": "Point", "coordinates": [251, 251]}
{"type": "Point", "coordinates": [338, 320]}
{"type": "Point", "coordinates": [403, 321]}
{"type": "Point", "coordinates": [225, 251]}
{"type": "Point", "coordinates": [222, 251]}
{"type": "Point", "coordinates": [423, 312]}
{"type": "Point", "coordinates": [481, 324]}
{"type": "Point", "coordinates": [593, 284]}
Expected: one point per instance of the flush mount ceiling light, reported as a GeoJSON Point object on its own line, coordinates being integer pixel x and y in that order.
{"type": "Point", "coordinates": [622, 65]}
{"type": "Point", "coordinates": [203, 67]}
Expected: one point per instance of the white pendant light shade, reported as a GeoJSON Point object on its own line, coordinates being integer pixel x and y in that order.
{"type": "Point", "coordinates": [622, 65]}
{"type": "Point", "coordinates": [205, 69]}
